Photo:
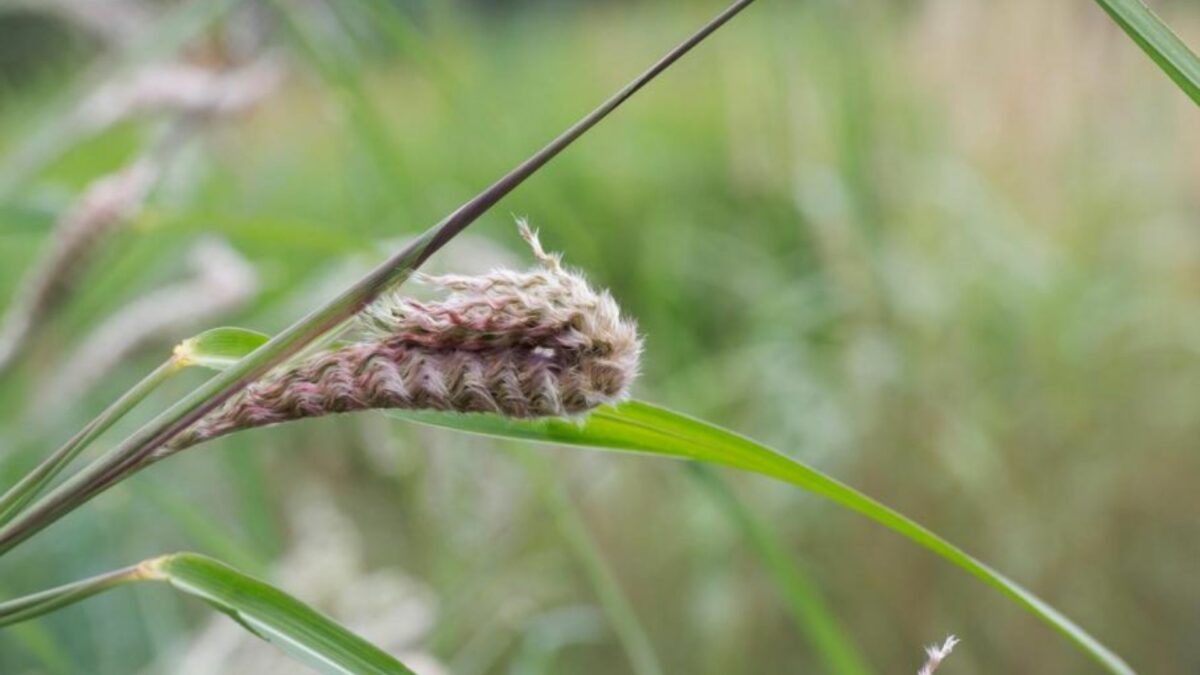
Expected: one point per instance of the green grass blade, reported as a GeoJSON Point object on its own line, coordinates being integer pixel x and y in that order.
{"type": "Point", "coordinates": [37, 642]}
{"type": "Point", "coordinates": [630, 632]}
{"type": "Point", "coordinates": [800, 594]}
{"type": "Point", "coordinates": [1159, 42]}
{"type": "Point", "coordinates": [302, 632]}
{"type": "Point", "coordinates": [275, 616]}
{"type": "Point", "coordinates": [640, 427]}
{"type": "Point", "coordinates": [201, 530]}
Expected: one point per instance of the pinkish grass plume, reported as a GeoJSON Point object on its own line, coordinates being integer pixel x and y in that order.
{"type": "Point", "coordinates": [936, 654]}
{"type": "Point", "coordinates": [540, 343]}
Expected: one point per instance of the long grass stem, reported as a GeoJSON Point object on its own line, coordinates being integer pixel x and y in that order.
{"type": "Point", "coordinates": [30, 606]}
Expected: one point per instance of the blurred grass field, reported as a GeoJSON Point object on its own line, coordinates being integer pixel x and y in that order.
{"type": "Point", "coordinates": [945, 250]}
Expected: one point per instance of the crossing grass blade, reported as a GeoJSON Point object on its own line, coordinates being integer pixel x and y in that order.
{"type": "Point", "coordinates": [628, 628]}
{"type": "Point", "coordinates": [799, 593]}
{"type": "Point", "coordinates": [214, 349]}
{"type": "Point", "coordinates": [1159, 42]}
{"type": "Point", "coordinates": [640, 427]}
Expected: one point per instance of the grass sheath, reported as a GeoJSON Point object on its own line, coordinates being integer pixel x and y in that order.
{"type": "Point", "coordinates": [138, 450]}
{"type": "Point", "coordinates": [483, 347]}
{"type": "Point", "coordinates": [30, 606]}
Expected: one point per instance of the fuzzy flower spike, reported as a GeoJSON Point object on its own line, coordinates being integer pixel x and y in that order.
{"type": "Point", "coordinates": [540, 343]}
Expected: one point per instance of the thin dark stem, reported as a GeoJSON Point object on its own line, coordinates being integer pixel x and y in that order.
{"type": "Point", "coordinates": [136, 451]}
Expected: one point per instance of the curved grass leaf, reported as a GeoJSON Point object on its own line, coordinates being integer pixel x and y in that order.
{"type": "Point", "coordinates": [302, 632]}
{"type": "Point", "coordinates": [275, 616]}
{"type": "Point", "coordinates": [1158, 41]}
{"type": "Point", "coordinates": [640, 427]}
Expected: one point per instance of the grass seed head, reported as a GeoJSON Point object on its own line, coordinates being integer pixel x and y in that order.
{"type": "Point", "coordinates": [181, 88]}
{"type": "Point", "coordinates": [106, 204]}
{"type": "Point", "coordinates": [935, 654]}
{"type": "Point", "coordinates": [539, 343]}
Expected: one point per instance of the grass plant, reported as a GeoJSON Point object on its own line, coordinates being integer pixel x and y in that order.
{"type": "Point", "coordinates": [537, 356]}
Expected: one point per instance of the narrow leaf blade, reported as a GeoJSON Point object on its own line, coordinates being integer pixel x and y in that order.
{"type": "Point", "coordinates": [277, 617]}
{"type": "Point", "coordinates": [640, 427]}
{"type": "Point", "coordinates": [799, 591]}
{"type": "Point", "coordinates": [1159, 42]}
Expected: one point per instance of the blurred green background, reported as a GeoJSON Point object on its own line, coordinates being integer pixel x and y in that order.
{"type": "Point", "coordinates": [945, 250]}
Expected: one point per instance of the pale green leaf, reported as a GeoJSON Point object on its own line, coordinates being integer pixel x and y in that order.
{"type": "Point", "coordinates": [799, 593]}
